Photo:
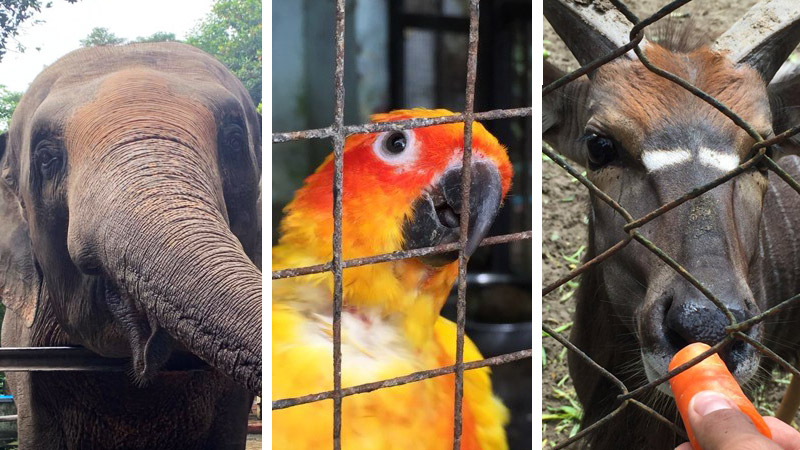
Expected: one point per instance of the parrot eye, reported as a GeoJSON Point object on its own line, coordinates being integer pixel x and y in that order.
{"type": "Point", "coordinates": [397, 148]}
{"type": "Point", "coordinates": [395, 143]}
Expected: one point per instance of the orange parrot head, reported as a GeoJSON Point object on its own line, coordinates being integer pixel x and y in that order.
{"type": "Point", "coordinates": [402, 190]}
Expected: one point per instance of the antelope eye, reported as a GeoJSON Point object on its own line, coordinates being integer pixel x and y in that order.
{"type": "Point", "coordinates": [395, 143]}
{"type": "Point", "coordinates": [601, 150]}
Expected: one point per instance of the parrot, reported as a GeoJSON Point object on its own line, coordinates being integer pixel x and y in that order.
{"type": "Point", "coordinates": [401, 190]}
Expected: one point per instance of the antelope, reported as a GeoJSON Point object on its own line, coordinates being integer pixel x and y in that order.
{"type": "Point", "coordinates": [645, 141]}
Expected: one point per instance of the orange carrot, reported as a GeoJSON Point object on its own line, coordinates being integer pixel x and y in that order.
{"type": "Point", "coordinates": [708, 375]}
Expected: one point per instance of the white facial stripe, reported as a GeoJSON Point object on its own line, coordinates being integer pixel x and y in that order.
{"type": "Point", "coordinates": [658, 159]}
{"type": "Point", "coordinates": [722, 161]}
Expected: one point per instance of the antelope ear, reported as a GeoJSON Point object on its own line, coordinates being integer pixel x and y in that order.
{"type": "Point", "coordinates": [784, 100]}
{"type": "Point", "coordinates": [764, 37]}
{"type": "Point", "coordinates": [562, 116]}
{"type": "Point", "coordinates": [589, 30]}
{"type": "Point", "coordinates": [19, 281]}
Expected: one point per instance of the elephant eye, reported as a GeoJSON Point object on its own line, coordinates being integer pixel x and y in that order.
{"type": "Point", "coordinates": [233, 137]}
{"type": "Point", "coordinates": [234, 140]}
{"type": "Point", "coordinates": [9, 178]}
{"type": "Point", "coordinates": [48, 160]}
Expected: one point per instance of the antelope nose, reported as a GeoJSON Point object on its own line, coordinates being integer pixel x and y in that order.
{"type": "Point", "coordinates": [699, 321]}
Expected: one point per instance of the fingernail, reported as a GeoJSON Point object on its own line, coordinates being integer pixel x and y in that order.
{"type": "Point", "coordinates": [706, 402]}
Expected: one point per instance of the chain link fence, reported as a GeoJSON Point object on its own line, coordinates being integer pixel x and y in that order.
{"type": "Point", "coordinates": [337, 132]}
{"type": "Point", "coordinates": [735, 330]}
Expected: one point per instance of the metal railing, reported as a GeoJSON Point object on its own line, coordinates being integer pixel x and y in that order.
{"type": "Point", "coordinates": [736, 329]}
{"type": "Point", "coordinates": [337, 132]}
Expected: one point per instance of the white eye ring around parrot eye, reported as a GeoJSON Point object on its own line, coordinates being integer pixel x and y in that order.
{"type": "Point", "coordinates": [396, 147]}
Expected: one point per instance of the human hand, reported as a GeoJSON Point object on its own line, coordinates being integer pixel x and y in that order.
{"type": "Point", "coordinates": [719, 425]}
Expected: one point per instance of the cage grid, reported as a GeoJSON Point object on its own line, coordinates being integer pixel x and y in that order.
{"type": "Point", "coordinates": [338, 131]}
{"type": "Point", "coordinates": [735, 329]}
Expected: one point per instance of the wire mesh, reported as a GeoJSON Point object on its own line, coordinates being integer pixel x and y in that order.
{"type": "Point", "coordinates": [759, 149]}
{"type": "Point", "coordinates": [338, 132]}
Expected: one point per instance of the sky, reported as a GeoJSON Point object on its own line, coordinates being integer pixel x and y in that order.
{"type": "Point", "coordinates": [65, 24]}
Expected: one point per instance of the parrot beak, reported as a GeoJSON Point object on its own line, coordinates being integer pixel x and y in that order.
{"type": "Point", "coordinates": [436, 215]}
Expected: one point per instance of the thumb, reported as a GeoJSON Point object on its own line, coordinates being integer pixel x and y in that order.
{"type": "Point", "coordinates": [718, 424]}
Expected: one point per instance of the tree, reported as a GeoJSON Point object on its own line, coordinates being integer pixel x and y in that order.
{"type": "Point", "coordinates": [101, 36]}
{"type": "Point", "coordinates": [13, 13]}
{"type": "Point", "coordinates": [8, 102]}
{"type": "Point", "coordinates": [158, 36]}
{"type": "Point", "coordinates": [232, 33]}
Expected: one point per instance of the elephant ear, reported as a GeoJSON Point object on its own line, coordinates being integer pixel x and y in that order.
{"type": "Point", "coordinates": [19, 285]}
{"type": "Point", "coordinates": [257, 259]}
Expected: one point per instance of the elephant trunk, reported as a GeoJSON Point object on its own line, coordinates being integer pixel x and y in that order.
{"type": "Point", "coordinates": [154, 223]}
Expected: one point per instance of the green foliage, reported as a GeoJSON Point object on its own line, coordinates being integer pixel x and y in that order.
{"type": "Point", "coordinates": [8, 102]}
{"type": "Point", "coordinates": [232, 33]}
{"type": "Point", "coordinates": [100, 36]}
{"type": "Point", "coordinates": [158, 36]}
{"type": "Point", "coordinates": [567, 416]}
{"type": "Point", "coordinates": [12, 14]}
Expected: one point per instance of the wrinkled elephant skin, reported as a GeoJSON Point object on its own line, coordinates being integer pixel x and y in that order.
{"type": "Point", "coordinates": [130, 225]}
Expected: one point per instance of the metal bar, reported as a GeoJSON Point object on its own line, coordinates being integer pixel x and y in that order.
{"type": "Point", "coordinates": [558, 159]}
{"type": "Point", "coordinates": [621, 7]}
{"type": "Point", "coordinates": [376, 127]}
{"type": "Point", "coordinates": [394, 256]}
{"type": "Point", "coordinates": [338, 174]}
{"type": "Point", "coordinates": [767, 352]}
{"type": "Point", "coordinates": [695, 192]}
{"type": "Point", "coordinates": [778, 138]}
{"type": "Point", "coordinates": [587, 265]}
{"type": "Point", "coordinates": [591, 428]}
{"type": "Point", "coordinates": [80, 359]}
{"type": "Point", "coordinates": [405, 379]}
{"type": "Point", "coordinates": [743, 124]}
{"type": "Point", "coordinates": [571, 347]}
{"type": "Point", "coordinates": [575, 74]}
{"type": "Point", "coordinates": [14, 359]}
{"type": "Point", "coordinates": [683, 367]}
{"type": "Point", "coordinates": [670, 424]}
{"type": "Point", "coordinates": [685, 274]}
{"type": "Point", "coordinates": [463, 258]}
{"type": "Point", "coordinates": [745, 324]}
{"type": "Point", "coordinates": [773, 166]}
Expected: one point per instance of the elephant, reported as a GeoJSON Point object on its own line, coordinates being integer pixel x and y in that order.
{"type": "Point", "coordinates": [130, 225]}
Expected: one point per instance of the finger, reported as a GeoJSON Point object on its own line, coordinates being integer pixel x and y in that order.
{"type": "Point", "coordinates": [784, 435]}
{"type": "Point", "coordinates": [684, 446]}
{"type": "Point", "coordinates": [718, 424]}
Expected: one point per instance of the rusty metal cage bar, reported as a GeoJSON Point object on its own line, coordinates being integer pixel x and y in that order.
{"type": "Point", "coordinates": [734, 330]}
{"type": "Point", "coordinates": [338, 132]}
{"type": "Point", "coordinates": [466, 177]}
{"type": "Point", "coordinates": [338, 172]}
